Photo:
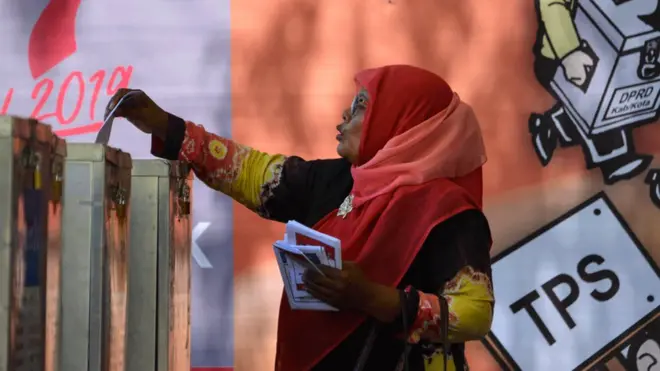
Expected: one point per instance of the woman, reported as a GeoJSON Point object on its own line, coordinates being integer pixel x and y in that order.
{"type": "Point", "coordinates": [405, 201]}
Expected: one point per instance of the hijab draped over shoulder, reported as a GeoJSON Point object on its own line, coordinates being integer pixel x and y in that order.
{"type": "Point", "coordinates": [420, 160]}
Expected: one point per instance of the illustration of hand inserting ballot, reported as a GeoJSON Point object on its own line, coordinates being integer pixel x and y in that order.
{"type": "Point", "coordinates": [604, 84]}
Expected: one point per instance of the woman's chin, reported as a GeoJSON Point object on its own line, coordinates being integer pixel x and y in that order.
{"type": "Point", "coordinates": [341, 150]}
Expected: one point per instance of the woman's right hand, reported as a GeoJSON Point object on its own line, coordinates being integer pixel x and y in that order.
{"type": "Point", "coordinates": [141, 111]}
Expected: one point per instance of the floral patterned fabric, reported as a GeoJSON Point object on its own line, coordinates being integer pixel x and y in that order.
{"type": "Point", "coordinates": [246, 175]}
{"type": "Point", "coordinates": [469, 297]}
{"type": "Point", "coordinates": [281, 188]}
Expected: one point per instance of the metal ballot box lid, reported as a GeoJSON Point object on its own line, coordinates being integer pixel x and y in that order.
{"type": "Point", "coordinates": [622, 84]}
{"type": "Point", "coordinates": [159, 269]}
{"type": "Point", "coordinates": [94, 258]}
{"type": "Point", "coordinates": [24, 200]}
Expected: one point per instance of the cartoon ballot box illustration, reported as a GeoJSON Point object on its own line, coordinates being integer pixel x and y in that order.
{"type": "Point", "coordinates": [653, 180]}
{"type": "Point", "coordinates": [599, 59]}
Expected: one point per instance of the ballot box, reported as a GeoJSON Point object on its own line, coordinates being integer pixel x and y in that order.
{"type": "Point", "coordinates": [95, 233]}
{"type": "Point", "coordinates": [159, 270]}
{"type": "Point", "coordinates": [53, 251]}
{"type": "Point", "coordinates": [25, 153]}
{"type": "Point", "coordinates": [623, 86]}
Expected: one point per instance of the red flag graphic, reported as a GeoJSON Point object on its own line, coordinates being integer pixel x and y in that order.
{"type": "Point", "coordinates": [53, 38]}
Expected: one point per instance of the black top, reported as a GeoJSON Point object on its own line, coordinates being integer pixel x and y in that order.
{"type": "Point", "coordinates": [308, 190]}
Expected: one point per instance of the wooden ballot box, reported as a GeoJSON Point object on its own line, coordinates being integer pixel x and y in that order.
{"type": "Point", "coordinates": [94, 281]}
{"type": "Point", "coordinates": [25, 191]}
{"type": "Point", "coordinates": [623, 85]}
{"type": "Point", "coordinates": [159, 270]}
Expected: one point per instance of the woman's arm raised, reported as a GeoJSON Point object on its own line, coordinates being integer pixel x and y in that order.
{"type": "Point", "coordinates": [273, 185]}
{"type": "Point", "coordinates": [244, 174]}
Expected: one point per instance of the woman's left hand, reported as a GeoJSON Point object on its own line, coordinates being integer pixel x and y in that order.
{"type": "Point", "coordinates": [347, 288]}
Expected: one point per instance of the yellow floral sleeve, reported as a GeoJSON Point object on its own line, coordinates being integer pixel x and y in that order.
{"type": "Point", "coordinates": [470, 302]}
{"type": "Point", "coordinates": [470, 299]}
{"type": "Point", "coordinates": [244, 174]}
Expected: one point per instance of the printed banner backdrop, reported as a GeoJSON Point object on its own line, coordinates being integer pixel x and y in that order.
{"type": "Point", "coordinates": [567, 95]}
{"type": "Point", "coordinates": [63, 59]}
{"type": "Point", "coordinates": [566, 91]}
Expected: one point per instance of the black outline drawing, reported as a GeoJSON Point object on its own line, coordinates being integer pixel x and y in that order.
{"type": "Point", "coordinates": [650, 333]}
{"type": "Point", "coordinates": [612, 148]}
{"type": "Point", "coordinates": [496, 348]}
{"type": "Point", "coordinates": [627, 352]}
{"type": "Point", "coordinates": [652, 19]}
{"type": "Point", "coordinates": [653, 180]}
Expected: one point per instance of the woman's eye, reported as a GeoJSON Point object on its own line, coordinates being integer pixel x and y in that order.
{"type": "Point", "coordinates": [360, 104]}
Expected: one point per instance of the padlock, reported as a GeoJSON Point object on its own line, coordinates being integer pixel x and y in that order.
{"type": "Point", "coordinates": [184, 197]}
{"type": "Point", "coordinates": [37, 177]}
{"type": "Point", "coordinates": [56, 195]}
{"type": "Point", "coordinates": [184, 207]}
{"type": "Point", "coordinates": [120, 203]}
{"type": "Point", "coordinates": [120, 210]}
{"type": "Point", "coordinates": [649, 66]}
{"type": "Point", "coordinates": [33, 164]}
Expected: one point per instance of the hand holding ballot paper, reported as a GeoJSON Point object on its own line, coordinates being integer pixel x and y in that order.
{"type": "Point", "coordinates": [304, 248]}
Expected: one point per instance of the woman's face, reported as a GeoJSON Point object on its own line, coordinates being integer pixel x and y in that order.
{"type": "Point", "coordinates": [350, 128]}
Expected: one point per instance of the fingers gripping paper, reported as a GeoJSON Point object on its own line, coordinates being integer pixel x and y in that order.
{"type": "Point", "coordinates": [304, 248]}
{"type": "Point", "coordinates": [103, 137]}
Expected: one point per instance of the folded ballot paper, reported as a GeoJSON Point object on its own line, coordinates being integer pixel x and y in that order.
{"type": "Point", "coordinates": [304, 248]}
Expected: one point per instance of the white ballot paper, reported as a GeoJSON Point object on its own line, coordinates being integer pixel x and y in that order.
{"type": "Point", "coordinates": [103, 136]}
{"type": "Point", "coordinates": [304, 248]}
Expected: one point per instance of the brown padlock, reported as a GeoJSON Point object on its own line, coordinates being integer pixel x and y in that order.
{"type": "Point", "coordinates": [36, 177]}
{"type": "Point", "coordinates": [58, 179]}
{"type": "Point", "coordinates": [56, 196]}
{"type": "Point", "coordinates": [183, 197]}
{"type": "Point", "coordinates": [119, 199]}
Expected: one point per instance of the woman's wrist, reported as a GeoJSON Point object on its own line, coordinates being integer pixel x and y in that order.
{"type": "Point", "coordinates": [383, 303]}
{"type": "Point", "coordinates": [167, 136]}
{"type": "Point", "coordinates": [160, 125]}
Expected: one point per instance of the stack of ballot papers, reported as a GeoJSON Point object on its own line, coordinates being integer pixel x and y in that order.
{"type": "Point", "coordinates": [304, 248]}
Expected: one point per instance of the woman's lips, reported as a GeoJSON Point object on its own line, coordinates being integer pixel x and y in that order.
{"type": "Point", "coordinates": [339, 137]}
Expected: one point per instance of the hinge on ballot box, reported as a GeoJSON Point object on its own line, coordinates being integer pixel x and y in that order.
{"type": "Point", "coordinates": [184, 198]}
{"type": "Point", "coordinates": [183, 189]}
{"type": "Point", "coordinates": [31, 159]}
{"type": "Point", "coordinates": [57, 182]}
{"type": "Point", "coordinates": [57, 169]}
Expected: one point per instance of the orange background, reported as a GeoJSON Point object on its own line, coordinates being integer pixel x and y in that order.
{"type": "Point", "coordinates": [292, 64]}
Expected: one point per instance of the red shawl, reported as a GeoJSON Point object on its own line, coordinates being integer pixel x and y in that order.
{"type": "Point", "coordinates": [421, 154]}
